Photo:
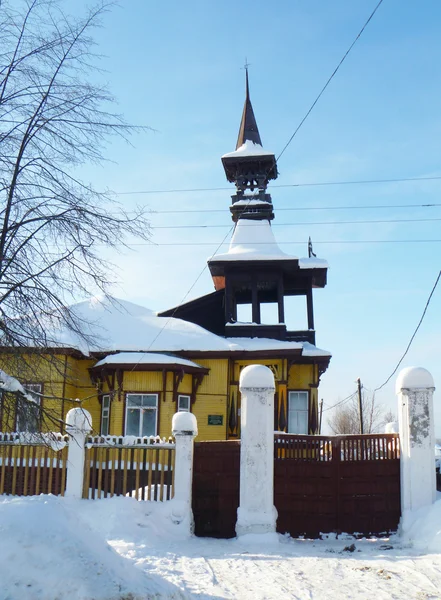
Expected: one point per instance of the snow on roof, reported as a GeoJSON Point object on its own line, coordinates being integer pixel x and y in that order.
{"type": "Point", "coordinates": [113, 325]}
{"type": "Point", "coordinates": [253, 240]}
{"type": "Point", "coordinates": [256, 344]}
{"type": "Point", "coordinates": [117, 325]}
{"type": "Point", "coordinates": [249, 148]}
{"type": "Point", "coordinates": [251, 201]}
{"type": "Point", "coordinates": [313, 263]}
{"type": "Point", "coordinates": [145, 358]}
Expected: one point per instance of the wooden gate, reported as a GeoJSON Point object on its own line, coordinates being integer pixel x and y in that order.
{"type": "Point", "coordinates": [216, 488]}
{"type": "Point", "coordinates": [335, 484]}
{"type": "Point", "coordinates": [321, 485]}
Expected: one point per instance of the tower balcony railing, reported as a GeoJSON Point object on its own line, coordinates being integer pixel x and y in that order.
{"type": "Point", "coordinates": [262, 330]}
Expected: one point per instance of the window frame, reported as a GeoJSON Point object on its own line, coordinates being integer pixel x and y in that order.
{"type": "Point", "coordinates": [189, 403]}
{"type": "Point", "coordinates": [39, 398]}
{"type": "Point", "coordinates": [297, 411]}
{"type": "Point", "coordinates": [127, 407]}
{"type": "Point", "coordinates": [104, 408]}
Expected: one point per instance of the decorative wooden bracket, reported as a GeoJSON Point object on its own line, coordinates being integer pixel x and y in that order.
{"type": "Point", "coordinates": [196, 381]}
{"type": "Point", "coordinates": [178, 376]}
{"type": "Point", "coordinates": [119, 381]}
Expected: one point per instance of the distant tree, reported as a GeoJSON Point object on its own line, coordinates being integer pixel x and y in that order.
{"type": "Point", "coordinates": [345, 419]}
{"type": "Point", "coordinates": [53, 226]}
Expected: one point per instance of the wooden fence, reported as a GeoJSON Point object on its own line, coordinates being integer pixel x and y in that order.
{"type": "Point", "coordinates": [338, 483]}
{"type": "Point", "coordinates": [144, 470]}
{"type": "Point", "coordinates": [29, 467]}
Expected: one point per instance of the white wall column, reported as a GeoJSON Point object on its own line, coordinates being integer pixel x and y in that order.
{"type": "Point", "coordinates": [415, 389]}
{"type": "Point", "coordinates": [78, 427]}
{"type": "Point", "coordinates": [256, 513]}
{"type": "Point", "coordinates": [184, 429]}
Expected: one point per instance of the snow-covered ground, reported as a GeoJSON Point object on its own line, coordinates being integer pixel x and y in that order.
{"type": "Point", "coordinates": [61, 549]}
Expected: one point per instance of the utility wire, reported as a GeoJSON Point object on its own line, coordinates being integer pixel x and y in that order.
{"type": "Point", "coordinates": [329, 80]}
{"type": "Point", "coordinates": [425, 241]}
{"type": "Point", "coordinates": [413, 335]}
{"type": "Point", "coordinates": [374, 221]}
{"type": "Point", "coordinates": [340, 402]}
{"type": "Point", "coordinates": [285, 185]}
{"type": "Point", "coordinates": [300, 208]}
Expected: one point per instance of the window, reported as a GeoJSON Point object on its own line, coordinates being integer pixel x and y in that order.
{"type": "Point", "coordinates": [141, 414]}
{"type": "Point", "coordinates": [105, 414]}
{"type": "Point", "coordinates": [298, 412]}
{"type": "Point", "coordinates": [183, 403]}
{"type": "Point", "coordinates": [28, 413]}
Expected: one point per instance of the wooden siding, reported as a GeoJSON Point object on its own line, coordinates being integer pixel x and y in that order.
{"type": "Point", "coordinates": [214, 395]}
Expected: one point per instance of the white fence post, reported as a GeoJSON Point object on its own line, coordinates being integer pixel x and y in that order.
{"type": "Point", "coordinates": [78, 426]}
{"type": "Point", "coordinates": [184, 429]}
{"type": "Point", "coordinates": [256, 512]}
{"type": "Point", "coordinates": [415, 389]}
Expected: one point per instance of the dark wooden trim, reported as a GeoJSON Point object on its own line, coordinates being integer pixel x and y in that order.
{"type": "Point", "coordinates": [164, 384]}
{"type": "Point", "coordinates": [280, 300]}
{"type": "Point", "coordinates": [255, 302]}
{"type": "Point", "coordinates": [310, 309]}
{"type": "Point", "coordinates": [196, 381]}
{"type": "Point", "coordinates": [115, 367]}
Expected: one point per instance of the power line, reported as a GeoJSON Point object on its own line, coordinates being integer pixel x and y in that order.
{"type": "Point", "coordinates": [330, 79]}
{"type": "Point", "coordinates": [285, 185]}
{"type": "Point", "coordinates": [413, 335]}
{"type": "Point", "coordinates": [374, 221]}
{"type": "Point", "coordinates": [288, 243]}
{"type": "Point", "coordinates": [301, 208]}
{"type": "Point", "coordinates": [340, 402]}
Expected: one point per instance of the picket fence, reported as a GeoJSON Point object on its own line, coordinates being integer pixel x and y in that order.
{"type": "Point", "coordinates": [142, 468]}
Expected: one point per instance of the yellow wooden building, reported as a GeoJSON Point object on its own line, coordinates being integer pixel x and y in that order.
{"type": "Point", "coordinates": [138, 368]}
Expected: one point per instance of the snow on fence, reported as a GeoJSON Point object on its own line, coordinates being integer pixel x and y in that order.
{"type": "Point", "coordinates": [31, 464]}
{"type": "Point", "coordinates": [142, 468]}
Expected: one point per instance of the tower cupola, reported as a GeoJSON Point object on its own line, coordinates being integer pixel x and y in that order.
{"type": "Point", "coordinates": [250, 167]}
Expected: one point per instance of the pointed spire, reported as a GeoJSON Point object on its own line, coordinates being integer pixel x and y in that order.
{"type": "Point", "coordinates": [248, 127]}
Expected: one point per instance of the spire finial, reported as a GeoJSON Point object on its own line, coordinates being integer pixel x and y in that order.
{"type": "Point", "coordinates": [248, 126]}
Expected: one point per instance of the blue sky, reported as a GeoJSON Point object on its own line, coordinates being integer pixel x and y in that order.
{"type": "Point", "coordinates": [177, 67]}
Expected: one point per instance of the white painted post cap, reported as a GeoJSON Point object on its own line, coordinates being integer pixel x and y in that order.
{"type": "Point", "coordinates": [414, 378]}
{"type": "Point", "coordinates": [184, 423]}
{"type": "Point", "coordinates": [79, 419]}
{"type": "Point", "coordinates": [256, 376]}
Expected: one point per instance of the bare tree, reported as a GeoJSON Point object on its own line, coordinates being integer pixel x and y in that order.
{"type": "Point", "coordinates": [53, 119]}
{"type": "Point", "coordinates": [345, 418]}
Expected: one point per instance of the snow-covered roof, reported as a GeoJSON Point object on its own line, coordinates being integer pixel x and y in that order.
{"type": "Point", "coordinates": [145, 358]}
{"type": "Point", "coordinates": [256, 344]}
{"type": "Point", "coordinates": [253, 240]}
{"type": "Point", "coordinates": [114, 325]}
{"type": "Point", "coordinates": [249, 148]}
{"type": "Point", "coordinates": [313, 263]}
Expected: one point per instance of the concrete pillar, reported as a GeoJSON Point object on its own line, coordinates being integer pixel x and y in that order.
{"type": "Point", "coordinates": [256, 513]}
{"type": "Point", "coordinates": [78, 427]}
{"type": "Point", "coordinates": [184, 429]}
{"type": "Point", "coordinates": [415, 389]}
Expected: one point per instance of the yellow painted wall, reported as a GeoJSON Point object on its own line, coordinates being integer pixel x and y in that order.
{"type": "Point", "coordinates": [212, 396]}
